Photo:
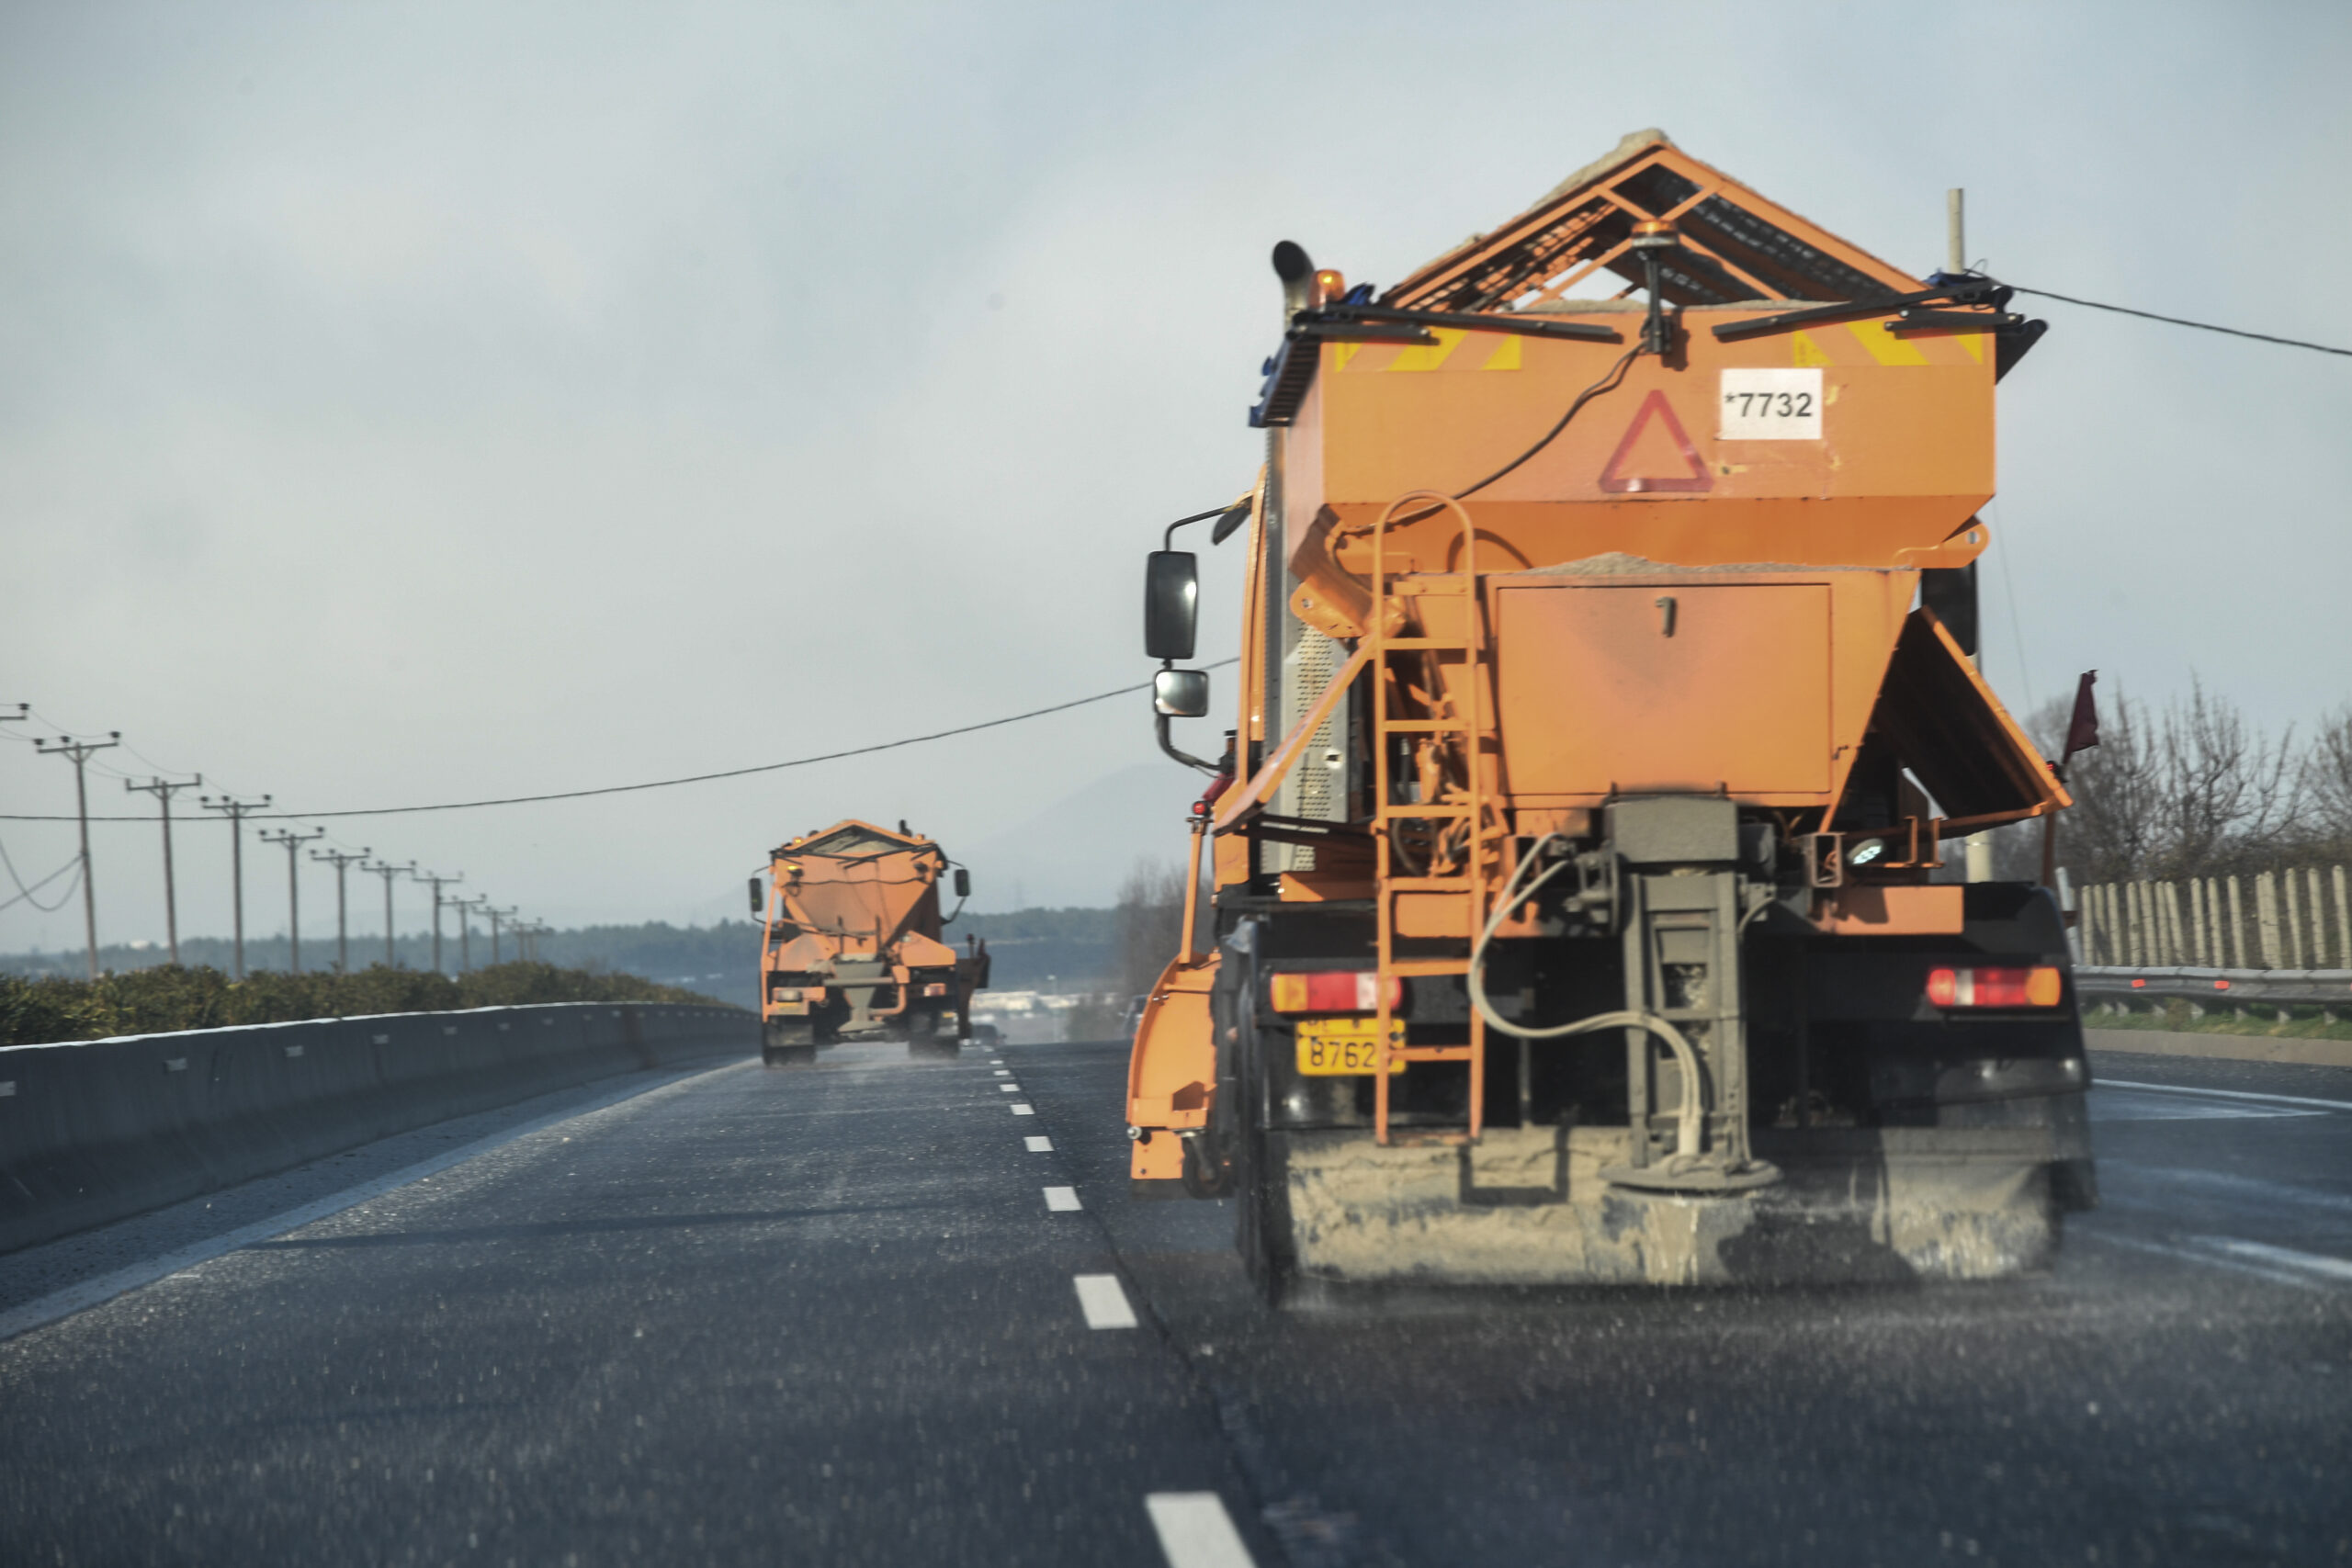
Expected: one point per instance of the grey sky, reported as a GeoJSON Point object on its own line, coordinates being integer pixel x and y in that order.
{"type": "Point", "coordinates": [408, 403]}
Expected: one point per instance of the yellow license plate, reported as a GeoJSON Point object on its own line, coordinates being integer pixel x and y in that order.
{"type": "Point", "coordinates": [1329, 1047]}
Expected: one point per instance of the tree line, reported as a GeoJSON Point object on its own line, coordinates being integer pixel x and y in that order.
{"type": "Point", "coordinates": [2192, 788]}
{"type": "Point", "coordinates": [166, 997]}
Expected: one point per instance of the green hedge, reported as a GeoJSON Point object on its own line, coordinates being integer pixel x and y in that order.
{"type": "Point", "coordinates": [153, 1001]}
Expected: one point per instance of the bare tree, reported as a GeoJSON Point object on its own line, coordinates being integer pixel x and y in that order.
{"type": "Point", "coordinates": [2327, 782]}
{"type": "Point", "coordinates": [1150, 923]}
{"type": "Point", "coordinates": [2194, 790]}
{"type": "Point", "coordinates": [2228, 795]}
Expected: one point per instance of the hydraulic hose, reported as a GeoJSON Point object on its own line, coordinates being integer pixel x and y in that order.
{"type": "Point", "coordinates": [1690, 1117]}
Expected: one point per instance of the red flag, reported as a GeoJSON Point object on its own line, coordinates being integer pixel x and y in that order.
{"type": "Point", "coordinates": [2082, 731]}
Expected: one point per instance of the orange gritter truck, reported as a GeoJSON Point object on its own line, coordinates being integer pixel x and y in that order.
{"type": "Point", "coordinates": [1607, 705]}
{"type": "Point", "coordinates": [851, 944]}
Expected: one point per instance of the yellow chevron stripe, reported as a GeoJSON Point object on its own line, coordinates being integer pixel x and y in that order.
{"type": "Point", "coordinates": [1428, 356]}
{"type": "Point", "coordinates": [1884, 347]}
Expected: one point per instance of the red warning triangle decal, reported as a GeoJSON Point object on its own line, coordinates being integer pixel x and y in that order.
{"type": "Point", "coordinates": [1617, 482]}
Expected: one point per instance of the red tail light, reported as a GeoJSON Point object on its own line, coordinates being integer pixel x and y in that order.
{"type": "Point", "coordinates": [1332, 990]}
{"type": "Point", "coordinates": [2039, 986]}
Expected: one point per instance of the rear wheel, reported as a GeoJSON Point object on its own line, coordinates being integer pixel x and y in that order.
{"type": "Point", "coordinates": [1261, 1220]}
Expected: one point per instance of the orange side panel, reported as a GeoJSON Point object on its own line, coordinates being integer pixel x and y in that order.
{"type": "Point", "coordinates": [1858, 910]}
{"type": "Point", "coordinates": [1433, 914]}
{"type": "Point", "coordinates": [1758, 683]}
{"type": "Point", "coordinates": [1679, 689]}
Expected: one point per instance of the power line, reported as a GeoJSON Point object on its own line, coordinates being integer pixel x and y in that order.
{"type": "Point", "coordinates": [663, 784]}
{"type": "Point", "coordinates": [25, 894]}
{"type": "Point", "coordinates": [2178, 321]}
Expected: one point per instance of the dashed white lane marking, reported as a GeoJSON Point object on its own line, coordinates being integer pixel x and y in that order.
{"type": "Point", "coordinates": [1195, 1531]}
{"type": "Point", "coordinates": [996, 1061]}
{"type": "Point", "coordinates": [1104, 1305]}
{"type": "Point", "coordinates": [2228, 1094]}
{"type": "Point", "coordinates": [1004, 1072]}
{"type": "Point", "coordinates": [1039, 1145]}
{"type": "Point", "coordinates": [1061, 1199]}
{"type": "Point", "coordinates": [1022, 1111]}
{"type": "Point", "coordinates": [1008, 1088]}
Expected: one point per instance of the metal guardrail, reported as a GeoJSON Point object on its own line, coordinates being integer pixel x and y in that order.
{"type": "Point", "coordinates": [2292, 988]}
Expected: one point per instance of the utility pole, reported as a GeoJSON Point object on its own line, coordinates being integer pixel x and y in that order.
{"type": "Point", "coordinates": [465, 933]}
{"type": "Point", "coordinates": [386, 869]}
{"type": "Point", "coordinates": [495, 914]}
{"type": "Point", "coordinates": [293, 842]}
{"type": "Point", "coordinates": [79, 754]}
{"type": "Point", "coordinates": [236, 811]}
{"type": "Point", "coordinates": [439, 882]}
{"type": "Point", "coordinates": [1955, 230]}
{"type": "Point", "coordinates": [162, 790]}
{"type": "Point", "coordinates": [342, 863]}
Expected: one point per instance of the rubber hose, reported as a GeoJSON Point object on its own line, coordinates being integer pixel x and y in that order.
{"type": "Point", "coordinates": [1689, 1118]}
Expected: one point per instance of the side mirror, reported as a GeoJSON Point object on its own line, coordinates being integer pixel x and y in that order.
{"type": "Point", "coordinates": [1181, 693]}
{"type": "Point", "coordinates": [759, 897]}
{"type": "Point", "coordinates": [1171, 591]}
{"type": "Point", "coordinates": [963, 883]}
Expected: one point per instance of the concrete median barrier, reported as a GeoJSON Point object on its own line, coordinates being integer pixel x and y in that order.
{"type": "Point", "coordinates": [97, 1129]}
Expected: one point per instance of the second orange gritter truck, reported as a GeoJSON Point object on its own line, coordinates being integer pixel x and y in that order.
{"type": "Point", "coordinates": [850, 946]}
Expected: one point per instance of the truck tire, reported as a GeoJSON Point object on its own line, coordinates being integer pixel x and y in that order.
{"type": "Point", "coordinates": [1257, 1178]}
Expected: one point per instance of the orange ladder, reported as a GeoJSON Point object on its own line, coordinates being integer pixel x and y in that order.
{"type": "Point", "coordinates": [1467, 804]}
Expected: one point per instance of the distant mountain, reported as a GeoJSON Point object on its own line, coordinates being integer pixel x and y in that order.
{"type": "Point", "coordinates": [1075, 853]}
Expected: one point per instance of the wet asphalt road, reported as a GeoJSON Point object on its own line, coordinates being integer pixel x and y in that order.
{"type": "Point", "coordinates": [830, 1315]}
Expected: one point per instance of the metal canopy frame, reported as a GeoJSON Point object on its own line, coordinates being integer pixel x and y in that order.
{"type": "Point", "coordinates": [1734, 243]}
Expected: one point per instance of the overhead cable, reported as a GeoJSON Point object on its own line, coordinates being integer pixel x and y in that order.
{"type": "Point", "coordinates": [655, 784]}
{"type": "Point", "coordinates": [2178, 321]}
{"type": "Point", "coordinates": [25, 894]}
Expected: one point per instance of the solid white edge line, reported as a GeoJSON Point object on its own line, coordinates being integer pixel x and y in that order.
{"type": "Point", "coordinates": [1062, 1201]}
{"type": "Point", "coordinates": [2224, 1093]}
{"type": "Point", "coordinates": [2283, 1257]}
{"type": "Point", "coordinates": [1195, 1531]}
{"type": "Point", "coordinates": [44, 1310]}
{"type": "Point", "coordinates": [1102, 1302]}
{"type": "Point", "coordinates": [1039, 1144]}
